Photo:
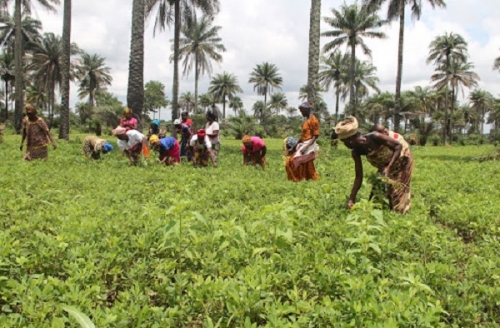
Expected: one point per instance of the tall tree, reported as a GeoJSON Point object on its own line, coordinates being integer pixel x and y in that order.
{"type": "Point", "coordinates": [93, 76]}
{"type": "Point", "coordinates": [199, 47]}
{"type": "Point", "coordinates": [65, 63]}
{"type": "Point", "coordinates": [135, 86]}
{"type": "Point", "coordinates": [481, 101]}
{"type": "Point", "coordinates": [442, 51]}
{"type": "Point", "coordinates": [265, 77]}
{"type": "Point", "coordinates": [224, 86]}
{"type": "Point", "coordinates": [351, 24]}
{"type": "Point", "coordinates": [46, 67]}
{"type": "Point", "coordinates": [7, 76]}
{"type": "Point", "coordinates": [169, 11]}
{"type": "Point", "coordinates": [334, 70]}
{"type": "Point", "coordinates": [314, 38]}
{"type": "Point", "coordinates": [396, 11]}
{"type": "Point", "coordinates": [18, 54]}
{"type": "Point", "coordinates": [236, 105]}
{"type": "Point", "coordinates": [30, 30]}
{"type": "Point", "coordinates": [154, 97]}
{"type": "Point", "coordinates": [457, 74]}
{"type": "Point", "coordinates": [279, 102]}
{"type": "Point", "coordinates": [187, 101]}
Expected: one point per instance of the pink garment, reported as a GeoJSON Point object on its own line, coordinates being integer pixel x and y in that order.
{"type": "Point", "coordinates": [128, 124]}
{"type": "Point", "coordinates": [258, 144]}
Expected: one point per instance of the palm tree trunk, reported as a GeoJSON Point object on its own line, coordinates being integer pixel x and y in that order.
{"type": "Point", "coordinates": [66, 45]}
{"type": "Point", "coordinates": [313, 62]}
{"type": "Point", "coordinates": [175, 86]}
{"type": "Point", "coordinates": [265, 98]}
{"type": "Point", "coordinates": [196, 78]}
{"type": "Point", "coordinates": [337, 98]}
{"type": "Point", "coordinates": [352, 96]}
{"type": "Point", "coordinates": [135, 88]}
{"type": "Point", "coordinates": [51, 104]}
{"type": "Point", "coordinates": [6, 99]}
{"type": "Point", "coordinates": [18, 62]}
{"type": "Point", "coordinates": [451, 113]}
{"type": "Point", "coordinates": [399, 74]}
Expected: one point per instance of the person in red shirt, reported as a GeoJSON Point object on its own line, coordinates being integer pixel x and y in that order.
{"type": "Point", "coordinates": [186, 120]}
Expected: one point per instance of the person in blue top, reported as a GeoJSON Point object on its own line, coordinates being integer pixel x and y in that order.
{"type": "Point", "coordinates": [168, 148]}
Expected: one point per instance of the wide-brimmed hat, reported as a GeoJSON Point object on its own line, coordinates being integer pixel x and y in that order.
{"type": "Point", "coordinates": [347, 128]}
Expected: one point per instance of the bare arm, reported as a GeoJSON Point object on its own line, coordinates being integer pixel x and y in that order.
{"type": "Point", "coordinates": [392, 144]}
{"type": "Point", "coordinates": [358, 168]}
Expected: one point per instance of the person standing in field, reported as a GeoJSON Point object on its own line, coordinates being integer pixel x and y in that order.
{"type": "Point", "coordinates": [212, 131]}
{"type": "Point", "coordinates": [202, 148]}
{"type": "Point", "coordinates": [186, 120]}
{"type": "Point", "coordinates": [254, 151]}
{"type": "Point", "coordinates": [185, 132]}
{"type": "Point", "coordinates": [128, 121]}
{"type": "Point", "coordinates": [392, 158]}
{"type": "Point", "coordinates": [93, 146]}
{"type": "Point", "coordinates": [300, 165]}
{"type": "Point", "coordinates": [37, 135]}
{"type": "Point", "coordinates": [130, 142]}
{"type": "Point", "coordinates": [168, 148]}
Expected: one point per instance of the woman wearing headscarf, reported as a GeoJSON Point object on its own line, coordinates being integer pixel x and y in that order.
{"type": "Point", "coordinates": [128, 121]}
{"type": "Point", "coordinates": [168, 148]}
{"type": "Point", "coordinates": [154, 128]}
{"type": "Point", "coordinates": [185, 132]}
{"type": "Point", "coordinates": [130, 142]}
{"type": "Point", "coordinates": [37, 134]}
{"type": "Point", "coordinates": [392, 158]}
{"type": "Point", "coordinates": [300, 165]}
{"type": "Point", "coordinates": [254, 151]}
{"type": "Point", "coordinates": [93, 146]}
{"type": "Point", "coordinates": [212, 130]}
{"type": "Point", "coordinates": [202, 148]}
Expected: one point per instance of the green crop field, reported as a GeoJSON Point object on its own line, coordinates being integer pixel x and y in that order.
{"type": "Point", "coordinates": [155, 246]}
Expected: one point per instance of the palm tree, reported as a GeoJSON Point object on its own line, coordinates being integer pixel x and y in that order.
{"type": "Point", "coordinates": [334, 71]}
{"type": "Point", "coordinates": [351, 24]}
{"type": "Point", "coordinates": [135, 85]}
{"type": "Point", "coordinates": [206, 101]}
{"type": "Point", "coordinates": [65, 63]}
{"type": "Point", "coordinates": [30, 30]}
{"type": "Point", "coordinates": [291, 111]}
{"type": "Point", "coordinates": [445, 49]}
{"type": "Point", "coordinates": [18, 53]}
{"type": "Point", "coordinates": [222, 86]}
{"type": "Point", "coordinates": [457, 74]}
{"type": "Point", "coordinates": [265, 77]}
{"type": "Point", "coordinates": [496, 64]}
{"type": "Point", "coordinates": [395, 11]}
{"type": "Point", "coordinates": [170, 11]}
{"type": "Point", "coordinates": [46, 67]}
{"type": "Point", "coordinates": [364, 79]}
{"type": "Point", "coordinates": [236, 104]}
{"type": "Point", "coordinates": [187, 102]}
{"type": "Point", "coordinates": [314, 40]}
{"type": "Point", "coordinates": [7, 75]}
{"type": "Point", "coordinates": [93, 75]}
{"type": "Point", "coordinates": [481, 102]}
{"type": "Point", "coordinates": [259, 110]}
{"type": "Point", "coordinates": [200, 45]}
{"type": "Point", "coordinates": [278, 102]}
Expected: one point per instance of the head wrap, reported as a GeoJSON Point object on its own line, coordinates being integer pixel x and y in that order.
{"type": "Point", "coordinates": [177, 122]}
{"type": "Point", "coordinates": [156, 122]}
{"type": "Point", "coordinates": [30, 109]}
{"type": "Point", "coordinates": [184, 113]}
{"type": "Point", "coordinates": [154, 139]}
{"type": "Point", "coordinates": [107, 147]}
{"type": "Point", "coordinates": [246, 139]}
{"type": "Point", "coordinates": [119, 130]}
{"type": "Point", "coordinates": [212, 115]}
{"type": "Point", "coordinates": [201, 134]}
{"type": "Point", "coordinates": [127, 111]}
{"type": "Point", "coordinates": [305, 105]}
{"type": "Point", "coordinates": [290, 142]}
{"type": "Point", "coordinates": [347, 128]}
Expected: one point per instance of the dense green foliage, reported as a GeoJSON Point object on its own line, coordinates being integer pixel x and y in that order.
{"type": "Point", "coordinates": [155, 246]}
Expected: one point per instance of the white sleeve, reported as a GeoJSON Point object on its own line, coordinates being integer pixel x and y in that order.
{"type": "Point", "coordinates": [122, 144]}
{"type": "Point", "coordinates": [215, 127]}
{"type": "Point", "coordinates": [208, 142]}
{"type": "Point", "coordinates": [193, 140]}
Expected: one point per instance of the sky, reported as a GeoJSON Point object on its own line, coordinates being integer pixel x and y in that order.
{"type": "Point", "coordinates": [277, 31]}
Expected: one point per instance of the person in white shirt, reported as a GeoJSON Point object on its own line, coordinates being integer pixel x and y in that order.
{"type": "Point", "coordinates": [202, 149]}
{"type": "Point", "coordinates": [130, 142]}
{"type": "Point", "coordinates": [212, 131]}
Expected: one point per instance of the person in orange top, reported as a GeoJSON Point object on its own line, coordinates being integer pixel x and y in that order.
{"type": "Point", "coordinates": [300, 165]}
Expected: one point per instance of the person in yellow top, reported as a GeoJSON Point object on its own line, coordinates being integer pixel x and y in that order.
{"type": "Point", "coordinates": [300, 165]}
{"type": "Point", "coordinates": [37, 135]}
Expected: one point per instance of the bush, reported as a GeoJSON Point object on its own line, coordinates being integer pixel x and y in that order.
{"type": "Point", "coordinates": [435, 140]}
